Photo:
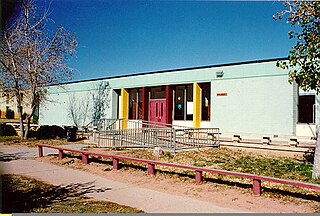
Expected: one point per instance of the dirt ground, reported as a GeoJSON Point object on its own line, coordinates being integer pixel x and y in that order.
{"type": "Point", "coordinates": [219, 193]}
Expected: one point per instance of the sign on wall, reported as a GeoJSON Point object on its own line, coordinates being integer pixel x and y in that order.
{"type": "Point", "coordinates": [189, 107]}
{"type": "Point", "coordinates": [222, 94]}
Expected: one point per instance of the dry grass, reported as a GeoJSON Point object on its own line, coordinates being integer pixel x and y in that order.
{"type": "Point", "coordinates": [32, 142]}
{"type": "Point", "coordinates": [222, 158]}
{"type": "Point", "coordinates": [25, 195]}
{"type": "Point", "coordinates": [233, 160]}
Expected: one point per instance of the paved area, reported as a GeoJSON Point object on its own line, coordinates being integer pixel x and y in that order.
{"type": "Point", "coordinates": [19, 161]}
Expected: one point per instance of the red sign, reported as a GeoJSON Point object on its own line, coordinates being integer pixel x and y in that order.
{"type": "Point", "coordinates": [222, 94]}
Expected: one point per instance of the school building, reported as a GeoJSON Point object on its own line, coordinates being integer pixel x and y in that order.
{"type": "Point", "coordinates": [252, 97]}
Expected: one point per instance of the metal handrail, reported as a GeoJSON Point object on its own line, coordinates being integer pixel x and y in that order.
{"type": "Point", "coordinates": [146, 134]}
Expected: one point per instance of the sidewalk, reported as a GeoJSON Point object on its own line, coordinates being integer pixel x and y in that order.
{"type": "Point", "coordinates": [101, 188]}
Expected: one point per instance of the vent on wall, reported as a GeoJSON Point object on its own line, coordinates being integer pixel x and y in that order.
{"type": "Point", "coordinates": [219, 74]}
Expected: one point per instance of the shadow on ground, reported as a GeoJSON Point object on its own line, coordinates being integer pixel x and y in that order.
{"type": "Point", "coordinates": [19, 198]}
{"type": "Point", "coordinates": [190, 175]}
{"type": "Point", "coordinates": [6, 157]}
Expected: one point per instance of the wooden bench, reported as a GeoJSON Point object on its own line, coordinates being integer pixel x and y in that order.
{"type": "Point", "coordinates": [256, 179]}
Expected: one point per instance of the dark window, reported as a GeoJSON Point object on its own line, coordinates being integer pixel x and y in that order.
{"type": "Point", "coordinates": [306, 108]}
{"type": "Point", "coordinates": [205, 101]}
{"type": "Point", "coordinates": [158, 92]}
{"type": "Point", "coordinates": [161, 109]}
{"type": "Point", "coordinates": [182, 100]}
{"type": "Point", "coordinates": [140, 103]}
{"type": "Point", "coordinates": [135, 104]}
{"type": "Point", "coordinates": [179, 103]}
{"type": "Point", "coordinates": [189, 94]}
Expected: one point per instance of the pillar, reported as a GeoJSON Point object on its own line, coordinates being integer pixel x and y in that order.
{"type": "Point", "coordinates": [169, 104]}
{"type": "Point", "coordinates": [115, 163]}
{"type": "Point", "coordinates": [145, 103]}
{"type": "Point", "coordinates": [151, 169]}
{"type": "Point", "coordinates": [256, 187]}
{"type": "Point", "coordinates": [85, 158]}
{"type": "Point", "coordinates": [124, 107]}
{"type": "Point", "coordinates": [196, 105]}
{"type": "Point", "coordinates": [40, 151]}
{"type": "Point", "coordinates": [60, 154]}
{"type": "Point", "coordinates": [198, 177]}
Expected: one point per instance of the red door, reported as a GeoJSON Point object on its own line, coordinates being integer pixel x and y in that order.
{"type": "Point", "coordinates": [158, 111]}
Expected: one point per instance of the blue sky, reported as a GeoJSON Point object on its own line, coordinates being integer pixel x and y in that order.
{"type": "Point", "coordinates": [125, 37]}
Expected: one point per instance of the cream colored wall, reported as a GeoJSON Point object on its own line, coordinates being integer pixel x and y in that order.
{"type": "Point", "coordinates": [12, 105]}
{"type": "Point", "coordinates": [306, 130]}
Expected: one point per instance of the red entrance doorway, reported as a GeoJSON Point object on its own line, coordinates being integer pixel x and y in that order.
{"type": "Point", "coordinates": [158, 110]}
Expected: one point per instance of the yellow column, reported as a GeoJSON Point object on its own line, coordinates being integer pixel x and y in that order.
{"type": "Point", "coordinates": [16, 115]}
{"type": "Point", "coordinates": [124, 107]}
{"type": "Point", "coordinates": [196, 105]}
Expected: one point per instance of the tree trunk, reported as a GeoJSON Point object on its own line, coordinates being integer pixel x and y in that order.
{"type": "Point", "coordinates": [28, 120]}
{"type": "Point", "coordinates": [21, 121]}
{"type": "Point", "coordinates": [316, 160]}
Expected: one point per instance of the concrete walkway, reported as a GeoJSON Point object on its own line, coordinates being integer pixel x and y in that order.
{"type": "Point", "coordinates": [101, 188]}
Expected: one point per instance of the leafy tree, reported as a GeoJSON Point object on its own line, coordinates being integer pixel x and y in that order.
{"type": "Point", "coordinates": [304, 57]}
{"type": "Point", "coordinates": [32, 58]}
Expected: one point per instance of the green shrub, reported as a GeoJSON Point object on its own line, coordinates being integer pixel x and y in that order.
{"type": "Point", "coordinates": [33, 134]}
{"type": "Point", "coordinates": [51, 132]}
{"type": "Point", "coordinates": [167, 155]}
{"type": "Point", "coordinates": [7, 130]}
{"type": "Point", "coordinates": [10, 114]}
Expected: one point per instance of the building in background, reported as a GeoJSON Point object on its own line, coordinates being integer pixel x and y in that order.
{"type": "Point", "coordinates": [248, 97]}
{"type": "Point", "coordinates": [8, 109]}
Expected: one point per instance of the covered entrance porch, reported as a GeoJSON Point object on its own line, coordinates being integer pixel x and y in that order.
{"type": "Point", "coordinates": [167, 103]}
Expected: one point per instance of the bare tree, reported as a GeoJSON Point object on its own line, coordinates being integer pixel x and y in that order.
{"type": "Point", "coordinates": [78, 109]}
{"type": "Point", "coordinates": [100, 102]}
{"type": "Point", "coordinates": [31, 58]}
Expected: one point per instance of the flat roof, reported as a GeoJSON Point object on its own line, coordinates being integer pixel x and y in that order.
{"type": "Point", "coordinates": [179, 69]}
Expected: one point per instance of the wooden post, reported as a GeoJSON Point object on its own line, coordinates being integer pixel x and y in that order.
{"type": "Point", "coordinates": [60, 154]}
{"type": "Point", "coordinates": [198, 177]}
{"type": "Point", "coordinates": [85, 159]}
{"type": "Point", "coordinates": [169, 102]}
{"type": "Point", "coordinates": [145, 104]}
{"type": "Point", "coordinates": [115, 163]}
{"type": "Point", "coordinates": [151, 169]}
{"type": "Point", "coordinates": [256, 187]}
{"type": "Point", "coordinates": [40, 151]}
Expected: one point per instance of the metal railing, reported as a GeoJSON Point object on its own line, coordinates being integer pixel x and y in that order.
{"type": "Point", "coordinates": [145, 134]}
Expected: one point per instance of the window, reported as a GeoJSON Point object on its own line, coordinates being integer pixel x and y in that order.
{"type": "Point", "coordinates": [158, 92]}
{"type": "Point", "coordinates": [189, 94]}
{"type": "Point", "coordinates": [179, 105]}
{"type": "Point", "coordinates": [135, 103]}
{"type": "Point", "coordinates": [205, 101]}
{"type": "Point", "coordinates": [183, 102]}
{"type": "Point", "coordinates": [306, 108]}
{"type": "Point", "coordinates": [140, 103]}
